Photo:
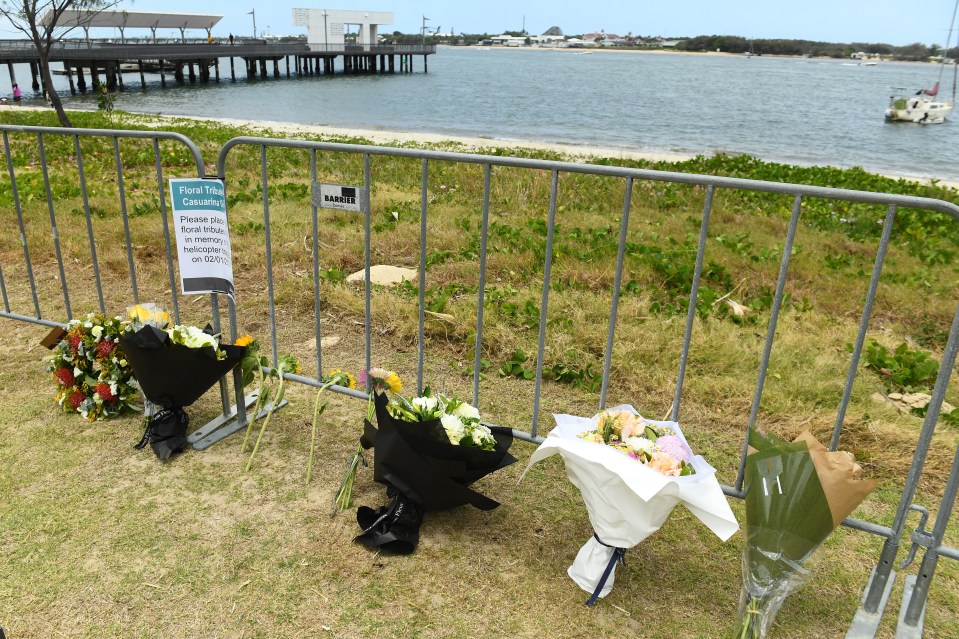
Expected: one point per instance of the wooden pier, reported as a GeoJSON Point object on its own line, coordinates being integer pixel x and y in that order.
{"type": "Point", "coordinates": [201, 62]}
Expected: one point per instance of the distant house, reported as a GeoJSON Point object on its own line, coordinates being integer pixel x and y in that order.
{"type": "Point", "coordinates": [604, 39]}
{"type": "Point", "coordinates": [508, 41]}
{"type": "Point", "coordinates": [548, 40]}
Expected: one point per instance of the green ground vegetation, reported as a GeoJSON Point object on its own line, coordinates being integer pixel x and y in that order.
{"type": "Point", "coordinates": [101, 540]}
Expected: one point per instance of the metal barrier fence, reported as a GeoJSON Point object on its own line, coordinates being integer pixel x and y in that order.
{"type": "Point", "coordinates": [868, 617]}
{"type": "Point", "coordinates": [77, 160]}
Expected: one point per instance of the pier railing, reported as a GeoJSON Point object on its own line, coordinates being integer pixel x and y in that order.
{"type": "Point", "coordinates": [23, 299]}
{"type": "Point", "coordinates": [23, 50]}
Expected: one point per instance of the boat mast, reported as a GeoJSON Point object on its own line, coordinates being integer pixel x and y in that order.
{"type": "Point", "coordinates": [945, 54]}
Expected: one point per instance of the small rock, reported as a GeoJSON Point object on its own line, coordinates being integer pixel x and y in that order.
{"type": "Point", "coordinates": [384, 275]}
{"type": "Point", "coordinates": [325, 343]}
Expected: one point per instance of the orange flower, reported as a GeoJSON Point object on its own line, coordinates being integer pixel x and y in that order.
{"type": "Point", "coordinates": [244, 340]}
{"type": "Point", "coordinates": [665, 464]}
{"type": "Point", "coordinates": [630, 425]}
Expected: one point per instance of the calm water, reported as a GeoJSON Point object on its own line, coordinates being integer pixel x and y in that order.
{"type": "Point", "coordinates": [799, 111]}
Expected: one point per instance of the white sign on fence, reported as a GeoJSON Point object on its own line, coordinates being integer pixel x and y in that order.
{"type": "Point", "coordinates": [202, 236]}
{"type": "Point", "coordinates": [337, 196]}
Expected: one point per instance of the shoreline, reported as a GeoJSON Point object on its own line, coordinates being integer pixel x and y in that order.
{"type": "Point", "coordinates": [473, 144]}
{"type": "Point", "coordinates": [468, 144]}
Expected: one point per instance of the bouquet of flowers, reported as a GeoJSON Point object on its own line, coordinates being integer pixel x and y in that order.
{"type": "Point", "coordinates": [174, 366]}
{"type": "Point", "coordinates": [91, 371]}
{"type": "Point", "coordinates": [797, 493]}
{"type": "Point", "coordinates": [631, 473]}
{"type": "Point", "coordinates": [428, 451]}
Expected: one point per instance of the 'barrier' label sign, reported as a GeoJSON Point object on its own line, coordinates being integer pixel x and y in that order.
{"type": "Point", "coordinates": [337, 196]}
{"type": "Point", "coordinates": [202, 236]}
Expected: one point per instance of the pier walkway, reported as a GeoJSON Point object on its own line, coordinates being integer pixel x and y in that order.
{"type": "Point", "coordinates": [194, 61]}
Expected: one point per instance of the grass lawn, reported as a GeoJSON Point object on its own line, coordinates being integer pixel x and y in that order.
{"type": "Point", "coordinates": [101, 540]}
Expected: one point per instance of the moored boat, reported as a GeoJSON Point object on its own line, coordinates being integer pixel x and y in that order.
{"type": "Point", "coordinates": [922, 108]}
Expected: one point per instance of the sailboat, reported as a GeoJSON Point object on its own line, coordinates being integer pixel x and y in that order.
{"type": "Point", "coordinates": [924, 106]}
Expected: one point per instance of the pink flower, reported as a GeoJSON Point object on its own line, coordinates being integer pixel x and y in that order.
{"type": "Point", "coordinates": [673, 446]}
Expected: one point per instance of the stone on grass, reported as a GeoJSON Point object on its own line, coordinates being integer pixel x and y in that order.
{"type": "Point", "coordinates": [907, 402]}
{"type": "Point", "coordinates": [384, 275]}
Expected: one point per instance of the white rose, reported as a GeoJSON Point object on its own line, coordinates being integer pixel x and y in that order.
{"type": "Point", "coordinates": [454, 428]}
{"type": "Point", "coordinates": [641, 445]}
{"type": "Point", "coordinates": [88, 324]}
{"type": "Point", "coordinates": [77, 372]}
{"type": "Point", "coordinates": [97, 331]}
{"type": "Point", "coordinates": [424, 404]}
{"type": "Point", "coordinates": [467, 411]}
{"type": "Point", "coordinates": [482, 434]}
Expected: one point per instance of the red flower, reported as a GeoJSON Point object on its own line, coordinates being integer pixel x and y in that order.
{"type": "Point", "coordinates": [105, 348]}
{"type": "Point", "coordinates": [74, 339]}
{"type": "Point", "coordinates": [103, 390]}
{"type": "Point", "coordinates": [65, 376]}
{"type": "Point", "coordinates": [76, 398]}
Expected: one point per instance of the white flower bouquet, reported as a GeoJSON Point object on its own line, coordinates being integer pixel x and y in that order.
{"type": "Point", "coordinates": [631, 473]}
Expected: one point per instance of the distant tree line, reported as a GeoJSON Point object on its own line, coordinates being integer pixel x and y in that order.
{"type": "Point", "coordinates": [725, 43]}
{"type": "Point", "coordinates": [738, 44]}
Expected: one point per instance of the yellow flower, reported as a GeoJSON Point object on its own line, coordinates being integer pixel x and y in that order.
{"type": "Point", "coordinates": [162, 317]}
{"type": "Point", "coordinates": [140, 314]}
{"type": "Point", "coordinates": [393, 382]}
{"type": "Point", "coordinates": [244, 340]}
{"type": "Point", "coordinates": [342, 378]}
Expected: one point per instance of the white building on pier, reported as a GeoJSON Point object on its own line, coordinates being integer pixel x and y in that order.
{"type": "Point", "coordinates": [328, 27]}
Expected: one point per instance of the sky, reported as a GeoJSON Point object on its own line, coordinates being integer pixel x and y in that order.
{"type": "Point", "coordinates": [896, 22]}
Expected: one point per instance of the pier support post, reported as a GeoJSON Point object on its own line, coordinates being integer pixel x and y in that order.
{"type": "Point", "coordinates": [34, 71]}
{"type": "Point", "coordinates": [94, 74]}
{"type": "Point", "coordinates": [178, 72]}
{"type": "Point", "coordinates": [143, 82]}
{"type": "Point", "coordinates": [232, 70]}
{"type": "Point", "coordinates": [162, 75]}
{"type": "Point", "coordinates": [263, 68]}
{"type": "Point", "coordinates": [426, 65]}
{"type": "Point", "coordinates": [216, 69]}
{"type": "Point", "coordinates": [286, 58]}
{"type": "Point", "coordinates": [276, 68]}
{"type": "Point", "coordinates": [81, 81]}
{"type": "Point", "coordinates": [192, 72]}
{"type": "Point", "coordinates": [13, 76]}
{"type": "Point", "coordinates": [69, 72]}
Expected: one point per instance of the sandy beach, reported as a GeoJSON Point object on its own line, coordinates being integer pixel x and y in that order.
{"type": "Point", "coordinates": [464, 144]}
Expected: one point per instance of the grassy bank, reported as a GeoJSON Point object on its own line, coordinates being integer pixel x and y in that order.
{"type": "Point", "coordinates": [105, 541]}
